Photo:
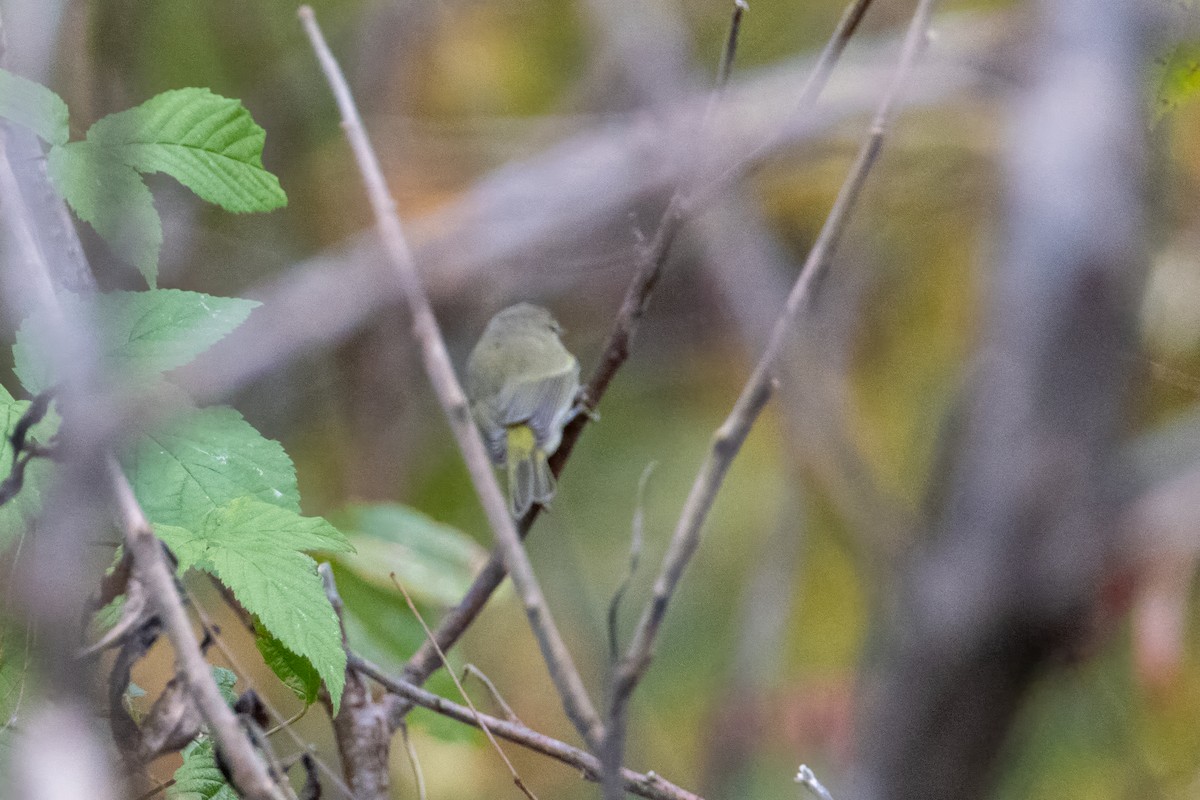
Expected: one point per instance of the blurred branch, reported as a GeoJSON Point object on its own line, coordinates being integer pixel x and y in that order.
{"type": "Point", "coordinates": [808, 780]}
{"type": "Point", "coordinates": [576, 703]}
{"type": "Point", "coordinates": [523, 209]}
{"type": "Point", "coordinates": [649, 785]}
{"type": "Point", "coordinates": [1015, 563]}
{"type": "Point", "coordinates": [729, 437]}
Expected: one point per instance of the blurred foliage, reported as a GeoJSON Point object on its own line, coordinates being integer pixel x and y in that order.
{"type": "Point", "coordinates": [454, 89]}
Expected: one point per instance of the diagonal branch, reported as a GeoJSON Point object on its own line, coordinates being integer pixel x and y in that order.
{"type": "Point", "coordinates": [576, 703]}
{"type": "Point", "coordinates": [649, 785]}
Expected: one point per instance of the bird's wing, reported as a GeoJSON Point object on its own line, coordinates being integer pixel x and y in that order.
{"type": "Point", "coordinates": [542, 403]}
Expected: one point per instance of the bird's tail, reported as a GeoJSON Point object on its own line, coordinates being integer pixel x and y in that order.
{"type": "Point", "coordinates": [529, 478]}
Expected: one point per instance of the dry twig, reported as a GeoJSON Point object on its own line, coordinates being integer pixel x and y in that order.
{"type": "Point", "coordinates": [648, 785]}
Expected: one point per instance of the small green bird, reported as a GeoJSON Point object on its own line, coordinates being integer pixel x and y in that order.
{"type": "Point", "coordinates": [522, 384]}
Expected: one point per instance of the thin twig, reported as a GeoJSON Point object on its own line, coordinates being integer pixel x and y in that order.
{"type": "Point", "coordinates": [729, 437]}
{"type": "Point", "coordinates": [636, 540]}
{"type": "Point", "coordinates": [360, 729]}
{"type": "Point", "coordinates": [813, 87]}
{"type": "Point", "coordinates": [806, 778]}
{"type": "Point", "coordinates": [415, 761]}
{"type": "Point", "coordinates": [162, 787]}
{"type": "Point", "coordinates": [648, 785]}
{"type": "Point", "coordinates": [458, 685]}
{"type": "Point", "coordinates": [576, 703]}
{"type": "Point", "coordinates": [731, 42]}
{"type": "Point", "coordinates": [493, 692]}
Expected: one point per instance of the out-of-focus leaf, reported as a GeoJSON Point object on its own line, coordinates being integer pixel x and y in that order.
{"type": "Point", "coordinates": [34, 106]}
{"type": "Point", "coordinates": [112, 198]}
{"type": "Point", "coordinates": [140, 333]}
{"type": "Point", "coordinates": [434, 561]}
{"type": "Point", "coordinates": [17, 514]}
{"type": "Point", "coordinates": [225, 679]}
{"type": "Point", "coordinates": [1177, 79]}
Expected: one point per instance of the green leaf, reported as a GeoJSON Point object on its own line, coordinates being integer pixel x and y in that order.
{"type": "Point", "coordinates": [208, 143]}
{"type": "Point", "coordinates": [1177, 79]}
{"type": "Point", "coordinates": [198, 777]}
{"type": "Point", "coordinates": [140, 333]}
{"type": "Point", "coordinates": [14, 671]}
{"type": "Point", "coordinates": [225, 680]}
{"type": "Point", "coordinates": [188, 548]}
{"type": "Point", "coordinates": [203, 459]}
{"type": "Point", "coordinates": [377, 620]}
{"type": "Point", "coordinates": [296, 672]}
{"type": "Point", "coordinates": [435, 562]}
{"type": "Point", "coordinates": [111, 197]}
{"type": "Point", "coordinates": [255, 549]}
{"type": "Point", "coordinates": [16, 516]}
{"type": "Point", "coordinates": [34, 106]}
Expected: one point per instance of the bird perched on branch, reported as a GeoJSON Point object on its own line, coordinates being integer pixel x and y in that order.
{"type": "Point", "coordinates": [522, 385]}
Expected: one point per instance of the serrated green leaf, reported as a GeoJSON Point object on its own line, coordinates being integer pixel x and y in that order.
{"type": "Point", "coordinates": [34, 106]}
{"type": "Point", "coordinates": [140, 333]}
{"type": "Point", "coordinates": [208, 143]}
{"type": "Point", "coordinates": [111, 197]}
{"type": "Point", "coordinates": [198, 777]}
{"type": "Point", "coordinates": [225, 680]}
{"type": "Point", "coordinates": [187, 547]}
{"type": "Point", "coordinates": [203, 459]}
{"type": "Point", "coordinates": [434, 561]}
{"type": "Point", "coordinates": [296, 672]}
{"type": "Point", "coordinates": [256, 550]}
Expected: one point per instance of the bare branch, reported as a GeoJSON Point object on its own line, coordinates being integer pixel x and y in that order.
{"type": "Point", "coordinates": [650, 785]}
{"type": "Point", "coordinates": [582, 183]}
{"type": "Point", "coordinates": [576, 703]}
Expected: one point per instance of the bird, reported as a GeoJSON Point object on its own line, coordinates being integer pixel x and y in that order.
{"type": "Point", "coordinates": [522, 384]}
